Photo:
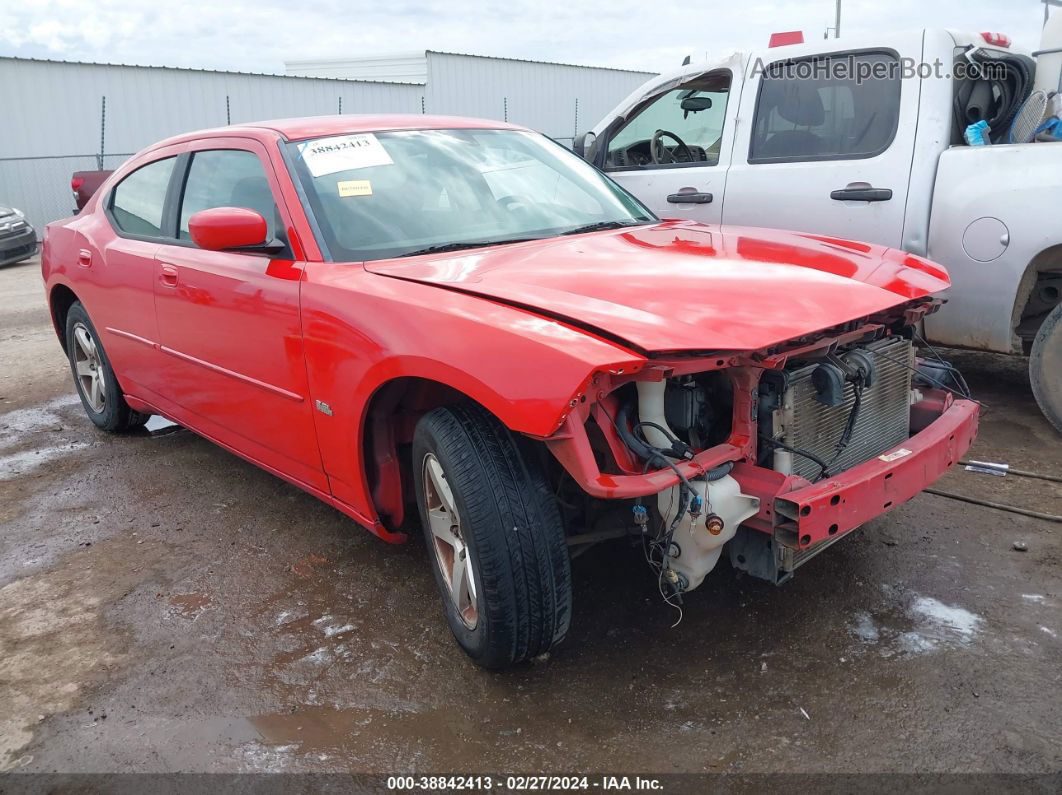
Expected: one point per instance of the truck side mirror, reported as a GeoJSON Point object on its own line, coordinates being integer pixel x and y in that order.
{"type": "Point", "coordinates": [583, 145]}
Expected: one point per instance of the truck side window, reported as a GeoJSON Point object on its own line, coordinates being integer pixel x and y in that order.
{"type": "Point", "coordinates": [681, 127]}
{"type": "Point", "coordinates": [841, 107]}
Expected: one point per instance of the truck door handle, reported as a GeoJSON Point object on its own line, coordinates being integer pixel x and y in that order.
{"type": "Point", "coordinates": [168, 274]}
{"type": "Point", "coordinates": [862, 194]}
{"type": "Point", "coordinates": [84, 258]}
{"type": "Point", "coordinates": [690, 197]}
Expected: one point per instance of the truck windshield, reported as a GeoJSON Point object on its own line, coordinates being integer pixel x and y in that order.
{"type": "Point", "coordinates": [392, 194]}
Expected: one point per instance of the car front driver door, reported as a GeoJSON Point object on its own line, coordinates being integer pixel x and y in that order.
{"type": "Point", "coordinates": [229, 320]}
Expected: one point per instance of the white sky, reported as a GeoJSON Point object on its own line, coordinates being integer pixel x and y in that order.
{"type": "Point", "coordinates": [650, 35]}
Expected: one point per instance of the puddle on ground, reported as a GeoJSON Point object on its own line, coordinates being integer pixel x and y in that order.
{"type": "Point", "coordinates": [345, 682]}
{"type": "Point", "coordinates": [864, 628]}
{"type": "Point", "coordinates": [940, 618]}
{"type": "Point", "coordinates": [55, 642]}
{"type": "Point", "coordinates": [15, 465]}
{"type": "Point", "coordinates": [919, 625]}
{"type": "Point", "coordinates": [325, 731]}
{"type": "Point", "coordinates": [16, 426]}
{"type": "Point", "coordinates": [22, 422]}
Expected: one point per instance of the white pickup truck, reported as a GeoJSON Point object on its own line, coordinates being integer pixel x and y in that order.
{"type": "Point", "coordinates": [861, 139]}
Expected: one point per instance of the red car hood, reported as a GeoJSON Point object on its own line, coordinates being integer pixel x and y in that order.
{"type": "Point", "coordinates": [679, 285]}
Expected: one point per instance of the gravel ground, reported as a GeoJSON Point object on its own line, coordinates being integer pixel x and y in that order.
{"type": "Point", "coordinates": [165, 606]}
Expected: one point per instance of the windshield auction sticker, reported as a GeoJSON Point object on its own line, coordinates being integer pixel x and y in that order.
{"type": "Point", "coordinates": [344, 153]}
{"type": "Point", "coordinates": [354, 187]}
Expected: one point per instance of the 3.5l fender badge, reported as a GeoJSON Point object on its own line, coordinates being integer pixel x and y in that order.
{"type": "Point", "coordinates": [323, 407]}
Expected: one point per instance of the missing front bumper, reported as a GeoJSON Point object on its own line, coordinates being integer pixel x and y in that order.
{"type": "Point", "coordinates": [797, 523]}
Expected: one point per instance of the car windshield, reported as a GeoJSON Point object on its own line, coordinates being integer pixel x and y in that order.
{"type": "Point", "coordinates": [393, 194]}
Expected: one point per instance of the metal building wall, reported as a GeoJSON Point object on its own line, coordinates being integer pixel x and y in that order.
{"type": "Point", "coordinates": [395, 67]}
{"type": "Point", "coordinates": [52, 122]}
{"type": "Point", "coordinates": [557, 99]}
{"type": "Point", "coordinates": [55, 109]}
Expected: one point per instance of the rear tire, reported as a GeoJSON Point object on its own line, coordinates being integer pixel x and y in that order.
{"type": "Point", "coordinates": [100, 394]}
{"type": "Point", "coordinates": [1045, 367]}
{"type": "Point", "coordinates": [486, 505]}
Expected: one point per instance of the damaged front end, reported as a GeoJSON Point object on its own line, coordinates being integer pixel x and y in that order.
{"type": "Point", "coordinates": [780, 452]}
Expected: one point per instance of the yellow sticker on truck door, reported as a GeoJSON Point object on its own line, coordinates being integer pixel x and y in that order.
{"type": "Point", "coordinates": [354, 187]}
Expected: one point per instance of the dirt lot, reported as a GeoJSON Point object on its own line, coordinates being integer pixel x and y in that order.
{"type": "Point", "coordinates": [166, 606]}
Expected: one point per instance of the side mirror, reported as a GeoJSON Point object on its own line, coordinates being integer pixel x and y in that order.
{"type": "Point", "coordinates": [583, 145]}
{"type": "Point", "coordinates": [226, 228]}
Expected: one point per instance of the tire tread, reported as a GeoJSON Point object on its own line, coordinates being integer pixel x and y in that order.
{"type": "Point", "coordinates": [519, 538]}
{"type": "Point", "coordinates": [1047, 380]}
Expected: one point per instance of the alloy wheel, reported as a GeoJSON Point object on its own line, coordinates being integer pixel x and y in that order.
{"type": "Point", "coordinates": [450, 547]}
{"type": "Point", "coordinates": [89, 368]}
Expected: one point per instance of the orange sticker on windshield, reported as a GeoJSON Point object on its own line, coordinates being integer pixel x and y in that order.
{"type": "Point", "coordinates": [354, 187]}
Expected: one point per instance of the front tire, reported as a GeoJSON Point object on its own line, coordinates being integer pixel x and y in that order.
{"type": "Point", "coordinates": [100, 394]}
{"type": "Point", "coordinates": [1045, 367]}
{"type": "Point", "coordinates": [494, 536]}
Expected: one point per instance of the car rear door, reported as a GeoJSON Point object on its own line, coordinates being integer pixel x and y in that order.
{"type": "Point", "coordinates": [117, 259]}
{"type": "Point", "coordinates": [672, 180]}
{"type": "Point", "coordinates": [229, 321]}
{"type": "Point", "coordinates": [828, 142]}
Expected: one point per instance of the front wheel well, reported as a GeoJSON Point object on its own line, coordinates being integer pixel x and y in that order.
{"type": "Point", "coordinates": [387, 434]}
{"type": "Point", "coordinates": [60, 300]}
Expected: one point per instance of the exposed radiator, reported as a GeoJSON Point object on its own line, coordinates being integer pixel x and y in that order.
{"type": "Point", "coordinates": [884, 417]}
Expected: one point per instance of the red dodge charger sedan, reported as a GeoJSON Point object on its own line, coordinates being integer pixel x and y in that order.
{"type": "Point", "coordinates": [465, 317]}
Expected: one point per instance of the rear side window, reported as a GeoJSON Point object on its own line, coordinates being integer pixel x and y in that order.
{"type": "Point", "coordinates": [843, 107]}
{"type": "Point", "coordinates": [226, 178]}
{"type": "Point", "coordinates": [138, 200]}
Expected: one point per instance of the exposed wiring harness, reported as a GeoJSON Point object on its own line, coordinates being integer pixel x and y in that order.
{"type": "Point", "coordinates": [965, 395]}
{"type": "Point", "coordinates": [859, 382]}
{"type": "Point", "coordinates": [658, 549]}
{"type": "Point", "coordinates": [955, 372]}
{"type": "Point", "coordinates": [823, 466]}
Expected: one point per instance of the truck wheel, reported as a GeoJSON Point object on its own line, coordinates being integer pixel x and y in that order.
{"type": "Point", "coordinates": [494, 536]}
{"type": "Point", "coordinates": [1045, 367]}
{"type": "Point", "coordinates": [96, 385]}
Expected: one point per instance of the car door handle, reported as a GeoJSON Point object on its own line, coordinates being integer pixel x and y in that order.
{"type": "Point", "coordinates": [690, 197]}
{"type": "Point", "coordinates": [861, 194]}
{"type": "Point", "coordinates": [84, 258]}
{"type": "Point", "coordinates": [168, 274]}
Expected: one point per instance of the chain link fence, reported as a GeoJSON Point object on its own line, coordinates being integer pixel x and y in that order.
{"type": "Point", "coordinates": [40, 186]}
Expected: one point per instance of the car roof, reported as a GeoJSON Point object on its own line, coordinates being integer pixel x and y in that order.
{"type": "Point", "coordinates": [299, 129]}
{"type": "Point", "coordinates": [314, 126]}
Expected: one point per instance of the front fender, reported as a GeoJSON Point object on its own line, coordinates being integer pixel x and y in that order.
{"type": "Point", "coordinates": [363, 330]}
